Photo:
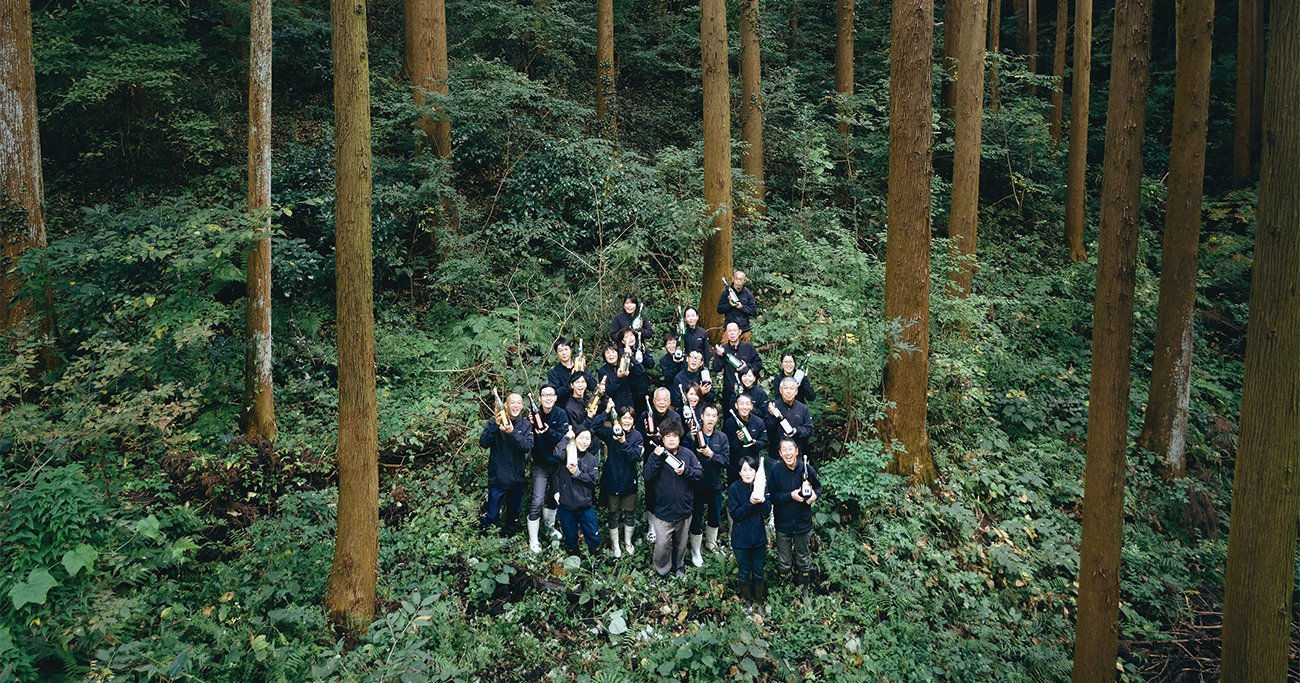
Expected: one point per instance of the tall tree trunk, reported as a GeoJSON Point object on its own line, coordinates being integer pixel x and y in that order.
{"type": "Point", "coordinates": [1257, 603]}
{"type": "Point", "coordinates": [605, 101]}
{"type": "Point", "coordinates": [1058, 68]}
{"type": "Point", "coordinates": [426, 62]}
{"type": "Point", "coordinates": [1250, 80]}
{"type": "Point", "coordinates": [22, 216]}
{"type": "Point", "coordinates": [964, 215]}
{"type": "Point", "coordinates": [844, 56]}
{"type": "Point", "coordinates": [1097, 628]}
{"type": "Point", "coordinates": [1165, 427]}
{"type": "Point", "coordinates": [1031, 40]}
{"type": "Point", "coordinates": [951, 37]}
{"type": "Point", "coordinates": [1076, 175]}
{"type": "Point", "coordinates": [995, 46]}
{"type": "Point", "coordinates": [751, 108]}
{"type": "Point", "coordinates": [350, 593]}
{"type": "Point", "coordinates": [907, 254]}
{"type": "Point", "coordinates": [259, 390]}
{"type": "Point", "coordinates": [717, 158]}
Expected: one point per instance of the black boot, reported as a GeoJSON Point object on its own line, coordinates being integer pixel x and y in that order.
{"type": "Point", "coordinates": [747, 591]}
{"type": "Point", "coordinates": [804, 580]}
{"type": "Point", "coordinates": [760, 591]}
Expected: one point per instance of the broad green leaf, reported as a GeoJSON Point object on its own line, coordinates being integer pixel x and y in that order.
{"type": "Point", "coordinates": [80, 557]}
{"type": "Point", "coordinates": [34, 589]}
{"type": "Point", "coordinates": [149, 528]}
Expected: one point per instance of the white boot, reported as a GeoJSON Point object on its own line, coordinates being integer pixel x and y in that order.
{"type": "Point", "coordinates": [627, 539]}
{"type": "Point", "coordinates": [533, 545]}
{"type": "Point", "coordinates": [696, 559]}
{"type": "Point", "coordinates": [711, 538]}
{"type": "Point", "coordinates": [613, 539]}
{"type": "Point", "coordinates": [650, 528]}
{"type": "Point", "coordinates": [548, 518]}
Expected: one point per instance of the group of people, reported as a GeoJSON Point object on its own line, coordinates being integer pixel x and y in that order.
{"type": "Point", "coordinates": [696, 427]}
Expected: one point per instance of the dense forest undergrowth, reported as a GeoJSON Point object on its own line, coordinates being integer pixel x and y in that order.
{"type": "Point", "coordinates": [147, 540]}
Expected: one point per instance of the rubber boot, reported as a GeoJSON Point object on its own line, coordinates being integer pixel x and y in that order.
{"type": "Point", "coordinates": [650, 528]}
{"type": "Point", "coordinates": [548, 521]}
{"type": "Point", "coordinates": [533, 545]}
{"type": "Point", "coordinates": [613, 540]}
{"type": "Point", "coordinates": [696, 558]}
{"type": "Point", "coordinates": [747, 592]}
{"type": "Point", "coordinates": [627, 539]}
{"type": "Point", "coordinates": [804, 579]}
{"type": "Point", "coordinates": [760, 591]}
{"type": "Point", "coordinates": [711, 539]}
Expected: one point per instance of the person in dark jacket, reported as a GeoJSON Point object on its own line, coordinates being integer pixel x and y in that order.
{"type": "Point", "coordinates": [672, 361]}
{"type": "Point", "coordinates": [639, 385]}
{"type": "Point", "coordinates": [576, 407]}
{"type": "Point", "coordinates": [632, 317]}
{"type": "Point", "coordinates": [789, 369]}
{"type": "Point", "coordinates": [624, 448]}
{"type": "Point", "coordinates": [696, 338]}
{"type": "Point", "coordinates": [749, 386]}
{"type": "Point", "coordinates": [749, 530]}
{"type": "Point", "coordinates": [659, 413]}
{"type": "Point", "coordinates": [741, 310]}
{"type": "Point", "coordinates": [706, 514]}
{"type": "Point", "coordinates": [731, 358]}
{"type": "Point", "coordinates": [561, 376]}
{"type": "Point", "coordinates": [575, 482]}
{"type": "Point", "coordinates": [673, 481]}
{"type": "Point", "coordinates": [507, 448]}
{"type": "Point", "coordinates": [692, 375]}
{"type": "Point", "coordinates": [616, 386]}
{"type": "Point", "coordinates": [795, 487]}
{"type": "Point", "coordinates": [541, 507]}
{"type": "Point", "coordinates": [788, 411]}
{"type": "Point", "coordinates": [756, 447]}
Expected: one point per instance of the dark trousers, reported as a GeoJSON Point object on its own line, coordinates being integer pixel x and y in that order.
{"type": "Point", "coordinates": [707, 508]}
{"type": "Point", "coordinates": [750, 562]}
{"type": "Point", "coordinates": [542, 477]}
{"type": "Point", "coordinates": [512, 497]}
{"type": "Point", "coordinates": [573, 520]}
{"type": "Point", "coordinates": [622, 509]}
{"type": "Point", "coordinates": [793, 549]}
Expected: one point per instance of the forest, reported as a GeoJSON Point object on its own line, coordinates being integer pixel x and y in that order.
{"type": "Point", "coordinates": [306, 309]}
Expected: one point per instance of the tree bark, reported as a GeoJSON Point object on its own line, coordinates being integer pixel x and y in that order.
{"type": "Point", "coordinates": [951, 37]}
{"type": "Point", "coordinates": [1257, 603]}
{"type": "Point", "coordinates": [717, 159]}
{"type": "Point", "coordinates": [350, 593]}
{"type": "Point", "coordinates": [1031, 40]}
{"type": "Point", "coordinates": [1076, 175]}
{"type": "Point", "coordinates": [22, 214]}
{"type": "Point", "coordinates": [963, 218]}
{"type": "Point", "coordinates": [1097, 628]}
{"type": "Point", "coordinates": [995, 46]}
{"type": "Point", "coordinates": [605, 90]}
{"type": "Point", "coordinates": [1250, 81]}
{"type": "Point", "coordinates": [844, 56]}
{"type": "Point", "coordinates": [1058, 68]}
{"type": "Point", "coordinates": [425, 27]}
{"type": "Point", "coordinates": [907, 254]}
{"type": "Point", "coordinates": [751, 107]}
{"type": "Point", "coordinates": [259, 389]}
{"type": "Point", "coordinates": [1165, 427]}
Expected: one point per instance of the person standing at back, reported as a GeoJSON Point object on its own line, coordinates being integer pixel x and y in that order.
{"type": "Point", "coordinates": [738, 305]}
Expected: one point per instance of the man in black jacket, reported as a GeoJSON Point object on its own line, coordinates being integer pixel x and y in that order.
{"type": "Point", "coordinates": [691, 375]}
{"type": "Point", "coordinates": [507, 446]}
{"type": "Point", "coordinates": [757, 444]}
{"type": "Point", "coordinates": [788, 411]}
{"type": "Point", "coordinates": [733, 356]}
{"type": "Point", "coordinates": [672, 361]}
{"type": "Point", "coordinates": [795, 487]}
{"type": "Point", "coordinates": [660, 412]}
{"type": "Point", "coordinates": [542, 506]}
{"type": "Point", "coordinates": [706, 516]}
{"type": "Point", "coordinates": [671, 470]}
{"type": "Point", "coordinates": [561, 376]}
{"type": "Point", "coordinates": [740, 309]}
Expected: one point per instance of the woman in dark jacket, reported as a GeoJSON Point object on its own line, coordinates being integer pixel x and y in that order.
{"type": "Point", "coordinates": [575, 481]}
{"type": "Point", "coordinates": [749, 531]}
{"type": "Point", "coordinates": [624, 446]}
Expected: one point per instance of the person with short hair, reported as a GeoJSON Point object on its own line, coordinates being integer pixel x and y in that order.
{"type": "Point", "coordinates": [748, 385]}
{"type": "Point", "coordinates": [732, 357]}
{"type": "Point", "coordinates": [788, 368]}
{"type": "Point", "coordinates": [632, 317]}
{"type": "Point", "coordinates": [795, 487]}
{"type": "Point", "coordinates": [507, 447]}
{"type": "Point", "coordinates": [673, 360]}
{"type": "Point", "coordinates": [755, 447]}
{"type": "Point", "coordinates": [624, 448]}
{"type": "Point", "coordinates": [541, 506]}
{"type": "Point", "coordinates": [706, 514]}
{"type": "Point", "coordinates": [749, 531]}
{"type": "Point", "coordinates": [788, 418]}
{"type": "Point", "coordinates": [671, 470]}
{"type": "Point", "coordinates": [575, 484]}
{"type": "Point", "coordinates": [660, 412]}
{"type": "Point", "coordinates": [566, 367]}
{"type": "Point", "coordinates": [692, 375]}
{"type": "Point", "coordinates": [740, 310]}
